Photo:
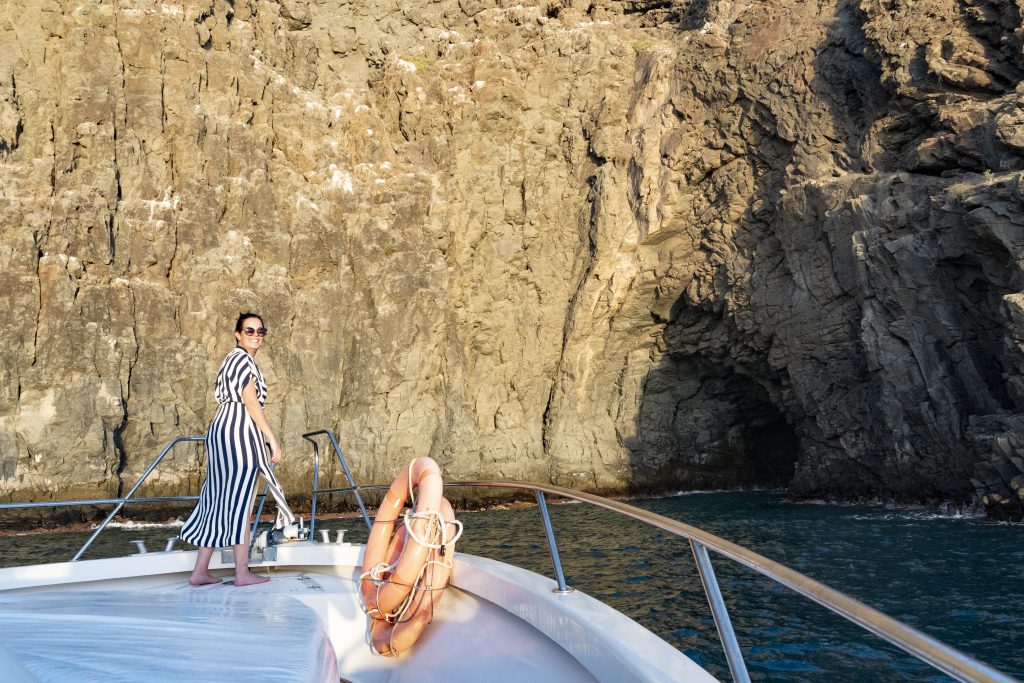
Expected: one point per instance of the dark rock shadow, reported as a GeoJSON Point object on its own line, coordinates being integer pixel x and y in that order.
{"type": "Point", "coordinates": [713, 412]}
{"type": "Point", "coordinates": [720, 409]}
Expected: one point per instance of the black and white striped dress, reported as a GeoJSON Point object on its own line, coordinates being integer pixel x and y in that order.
{"type": "Point", "coordinates": [235, 454]}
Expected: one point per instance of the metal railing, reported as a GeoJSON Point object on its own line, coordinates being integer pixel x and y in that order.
{"type": "Point", "coordinates": [316, 477]}
{"type": "Point", "coordinates": [128, 498]}
{"type": "Point", "coordinates": [120, 502]}
{"type": "Point", "coordinates": [947, 659]}
{"type": "Point", "coordinates": [929, 650]}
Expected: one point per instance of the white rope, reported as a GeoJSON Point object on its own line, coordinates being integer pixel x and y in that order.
{"type": "Point", "coordinates": [376, 572]}
{"type": "Point", "coordinates": [399, 614]}
{"type": "Point", "coordinates": [438, 519]}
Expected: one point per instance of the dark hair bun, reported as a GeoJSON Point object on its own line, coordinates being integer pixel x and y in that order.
{"type": "Point", "coordinates": [242, 317]}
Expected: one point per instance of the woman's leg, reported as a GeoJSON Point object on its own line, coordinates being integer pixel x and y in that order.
{"type": "Point", "coordinates": [243, 577]}
{"type": "Point", "coordinates": [201, 575]}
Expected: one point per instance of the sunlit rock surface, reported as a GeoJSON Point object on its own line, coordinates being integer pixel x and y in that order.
{"type": "Point", "coordinates": [612, 245]}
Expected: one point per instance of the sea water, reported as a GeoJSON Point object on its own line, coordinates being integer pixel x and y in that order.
{"type": "Point", "coordinates": [958, 579]}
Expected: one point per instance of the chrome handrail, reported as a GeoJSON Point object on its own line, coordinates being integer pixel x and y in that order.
{"type": "Point", "coordinates": [120, 502]}
{"type": "Point", "coordinates": [96, 501]}
{"type": "Point", "coordinates": [947, 659]}
{"type": "Point", "coordinates": [127, 497]}
{"type": "Point", "coordinates": [355, 488]}
{"type": "Point", "coordinates": [943, 657]}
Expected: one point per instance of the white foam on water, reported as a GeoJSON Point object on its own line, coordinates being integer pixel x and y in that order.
{"type": "Point", "coordinates": [917, 515]}
{"type": "Point", "coordinates": [176, 524]}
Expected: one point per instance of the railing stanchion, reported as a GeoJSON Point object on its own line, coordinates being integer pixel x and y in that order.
{"type": "Point", "coordinates": [552, 546]}
{"type": "Point", "coordinates": [259, 512]}
{"type": "Point", "coordinates": [351, 479]}
{"type": "Point", "coordinates": [344, 465]}
{"type": "Point", "coordinates": [316, 481]}
{"type": "Point", "coordinates": [122, 501]}
{"type": "Point", "coordinates": [732, 648]}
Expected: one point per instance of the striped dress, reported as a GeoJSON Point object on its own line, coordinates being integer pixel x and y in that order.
{"type": "Point", "coordinates": [235, 454]}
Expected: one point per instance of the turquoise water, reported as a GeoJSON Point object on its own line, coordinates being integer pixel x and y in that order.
{"type": "Point", "coordinates": [959, 580]}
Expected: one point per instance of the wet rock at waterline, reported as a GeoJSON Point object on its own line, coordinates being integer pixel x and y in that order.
{"type": "Point", "coordinates": [612, 245]}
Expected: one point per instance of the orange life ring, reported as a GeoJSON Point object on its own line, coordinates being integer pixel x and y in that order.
{"type": "Point", "coordinates": [383, 589]}
{"type": "Point", "coordinates": [392, 638]}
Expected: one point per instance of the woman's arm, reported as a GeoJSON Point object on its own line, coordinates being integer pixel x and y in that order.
{"type": "Point", "coordinates": [255, 410]}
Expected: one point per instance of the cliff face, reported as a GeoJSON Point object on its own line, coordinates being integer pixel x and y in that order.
{"type": "Point", "coordinates": [606, 244]}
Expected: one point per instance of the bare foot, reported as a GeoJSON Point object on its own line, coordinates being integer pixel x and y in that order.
{"type": "Point", "coordinates": [204, 579]}
{"type": "Point", "coordinates": [250, 579]}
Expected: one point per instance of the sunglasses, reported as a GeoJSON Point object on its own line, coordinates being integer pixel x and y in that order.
{"type": "Point", "coordinates": [249, 331]}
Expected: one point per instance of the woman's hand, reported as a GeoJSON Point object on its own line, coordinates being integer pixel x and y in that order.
{"type": "Point", "coordinates": [255, 410]}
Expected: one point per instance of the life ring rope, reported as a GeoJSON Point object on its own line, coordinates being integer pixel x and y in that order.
{"type": "Point", "coordinates": [378, 573]}
{"type": "Point", "coordinates": [405, 570]}
{"type": "Point", "coordinates": [439, 520]}
{"type": "Point", "coordinates": [398, 616]}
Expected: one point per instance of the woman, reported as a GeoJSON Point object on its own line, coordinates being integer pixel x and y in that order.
{"type": "Point", "coordinates": [235, 454]}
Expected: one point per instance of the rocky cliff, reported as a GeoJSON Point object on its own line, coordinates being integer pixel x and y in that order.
{"type": "Point", "coordinates": [613, 245]}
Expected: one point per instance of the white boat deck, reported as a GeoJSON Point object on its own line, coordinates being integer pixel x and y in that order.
{"type": "Point", "coordinates": [143, 635]}
{"type": "Point", "coordinates": [496, 623]}
{"type": "Point", "coordinates": [263, 633]}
